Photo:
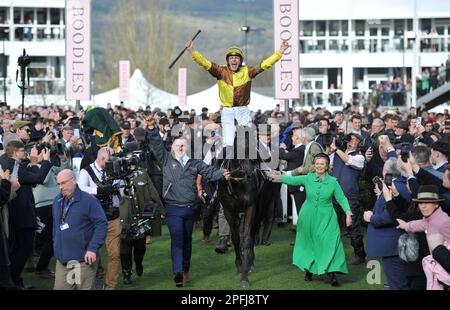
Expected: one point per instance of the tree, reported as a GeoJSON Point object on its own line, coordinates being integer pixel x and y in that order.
{"type": "Point", "coordinates": [147, 40]}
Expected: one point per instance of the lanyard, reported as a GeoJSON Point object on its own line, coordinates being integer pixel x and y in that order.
{"type": "Point", "coordinates": [65, 209]}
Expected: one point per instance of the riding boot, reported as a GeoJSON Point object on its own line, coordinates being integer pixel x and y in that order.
{"type": "Point", "coordinates": [222, 248]}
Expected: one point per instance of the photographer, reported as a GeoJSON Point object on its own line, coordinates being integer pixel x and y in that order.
{"type": "Point", "coordinates": [72, 144]}
{"type": "Point", "coordinates": [140, 197]}
{"type": "Point", "coordinates": [382, 234]}
{"type": "Point", "coordinates": [43, 196]}
{"type": "Point", "coordinates": [347, 164]}
{"type": "Point", "coordinates": [93, 180]}
{"type": "Point", "coordinates": [22, 213]}
{"type": "Point", "coordinates": [180, 196]}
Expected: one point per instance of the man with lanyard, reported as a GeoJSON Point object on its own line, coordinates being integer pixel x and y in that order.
{"type": "Point", "coordinates": [234, 82]}
{"type": "Point", "coordinates": [78, 235]}
{"type": "Point", "coordinates": [92, 180]}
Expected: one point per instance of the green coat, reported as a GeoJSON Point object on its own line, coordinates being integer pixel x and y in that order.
{"type": "Point", "coordinates": [318, 246]}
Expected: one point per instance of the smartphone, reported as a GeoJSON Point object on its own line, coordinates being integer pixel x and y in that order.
{"type": "Point", "coordinates": [418, 122]}
{"type": "Point", "coordinates": [377, 181]}
{"type": "Point", "coordinates": [388, 179]}
{"type": "Point", "coordinates": [76, 132]}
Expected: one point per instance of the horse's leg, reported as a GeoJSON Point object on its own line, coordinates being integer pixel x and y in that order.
{"type": "Point", "coordinates": [233, 222]}
{"type": "Point", "coordinates": [247, 236]}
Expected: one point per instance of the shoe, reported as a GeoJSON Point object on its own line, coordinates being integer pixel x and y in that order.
{"type": "Point", "coordinates": [186, 278]}
{"type": "Point", "coordinates": [266, 243]}
{"type": "Point", "coordinates": [127, 277]}
{"type": "Point", "coordinates": [222, 248]}
{"type": "Point", "coordinates": [292, 243]}
{"type": "Point", "coordinates": [333, 279]}
{"type": "Point", "coordinates": [45, 274]}
{"type": "Point", "coordinates": [139, 269]}
{"type": "Point", "coordinates": [205, 239]}
{"type": "Point", "coordinates": [308, 276]}
{"type": "Point", "coordinates": [357, 260]}
{"type": "Point", "coordinates": [148, 240]}
{"type": "Point", "coordinates": [178, 279]}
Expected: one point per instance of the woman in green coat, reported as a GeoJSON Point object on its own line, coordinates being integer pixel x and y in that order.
{"type": "Point", "coordinates": [318, 247]}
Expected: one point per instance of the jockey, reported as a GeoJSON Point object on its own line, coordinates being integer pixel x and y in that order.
{"type": "Point", "coordinates": [234, 82]}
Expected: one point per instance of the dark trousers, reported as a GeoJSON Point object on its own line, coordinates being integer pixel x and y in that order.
{"type": "Point", "coordinates": [209, 211]}
{"type": "Point", "coordinates": [266, 210]}
{"type": "Point", "coordinates": [127, 247]}
{"type": "Point", "coordinates": [45, 238]}
{"type": "Point", "coordinates": [394, 268]}
{"type": "Point", "coordinates": [356, 235]}
{"type": "Point", "coordinates": [21, 250]}
{"type": "Point", "coordinates": [180, 221]}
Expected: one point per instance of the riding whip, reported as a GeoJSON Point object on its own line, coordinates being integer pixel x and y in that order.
{"type": "Point", "coordinates": [182, 52]}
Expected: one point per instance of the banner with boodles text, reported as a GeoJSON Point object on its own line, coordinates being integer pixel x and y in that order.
{"type": "Point", "coordinates": [182, 86]}
{"type": "Point", "coordinates": [286, 29]}
{"type": "Point", "coordinates": [78, 49]}
{"type": "Point", "coordinates": [124, 80]}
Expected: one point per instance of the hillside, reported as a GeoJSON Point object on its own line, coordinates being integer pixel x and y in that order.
{"type": "Point", "coordinates": [220, 22]}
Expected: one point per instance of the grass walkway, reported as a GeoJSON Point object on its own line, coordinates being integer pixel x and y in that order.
{"type": "Point", "coordinates": [211, 271]}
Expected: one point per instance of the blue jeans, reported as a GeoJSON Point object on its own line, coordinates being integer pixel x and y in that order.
{"type": "Point", "coordinates": [180, 221]}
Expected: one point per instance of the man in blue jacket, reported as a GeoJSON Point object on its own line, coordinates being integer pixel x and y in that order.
{"type": "Point", "coordinates": [180, 197]}
{"type": "Point", "coordinates": [79, 230]}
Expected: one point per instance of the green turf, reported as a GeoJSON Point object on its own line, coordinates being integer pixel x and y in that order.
{"type": "Point", "coordinates": [212, 271]}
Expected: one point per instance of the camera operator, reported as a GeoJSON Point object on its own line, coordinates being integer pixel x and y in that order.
{"type": "Point", "coordinates": [347, 164]}
{"type": "Point", "coordinates": [140, 197]}
{"type": "Point", "coordinates": [22, 213]}
{"type": "Point", "coordinates": [180, 196]}
{"type": "Point", "coordinates": [93, 180]}
{"type": "Point", "coordinates": [150, 163]}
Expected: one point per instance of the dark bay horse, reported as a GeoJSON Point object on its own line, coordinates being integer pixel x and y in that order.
{"type": "Point", "coordinates": [239, 199]}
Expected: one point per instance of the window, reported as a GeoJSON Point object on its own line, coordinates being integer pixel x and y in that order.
{"type": "Point", "coordinates": [440, 30]}
{"type": "Point", "coordinates": [55, 16]}
{"type": "Point", "coordinates": [28, 16]}
{"type": "Point", "coordinates": [42, 16]}
{"type": "Point", "coordinates": [384, 31]}
{"type": "Point", "coordinates": [425, 25]}
{"type": "Point", "coordinates": [320, 28]}
{"type": "Point", "coordinates": [409, 24]}
{"type": "Point", "coordinates": [318, 85]}
{"type": "Point", "coordinates": [399, 27]}
{"type": "Point", "coordinates": [17, 14]}
{"type": "Point", "coordinates": [360, 27]}
{"type": "Point", "coordinates": [320, 45]}
{"type": "Point", "coordinates": [3, 15]}
{"type": "Point", "coordinates": [334, 27]}
{"type": "Point", "coordinates": [373, 31]}
{"type": "Point", "coordinates": [334, 46]}
{"type": "Point", "coordinates": [306, 28]}
{"type": "Point", "coordinates": [345, 27]}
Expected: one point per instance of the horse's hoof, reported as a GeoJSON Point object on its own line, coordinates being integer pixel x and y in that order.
{"type": "Point", "coordinates": [245, 283]}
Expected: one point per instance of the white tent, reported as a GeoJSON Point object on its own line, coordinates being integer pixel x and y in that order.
{"type": "Point", "coordinates": [209, 98]}
{"type": "Point", "coordinates": [143, 93]}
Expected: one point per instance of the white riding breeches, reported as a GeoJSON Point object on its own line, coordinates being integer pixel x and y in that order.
{"type": "Point", "coordinates": [228, 115]}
